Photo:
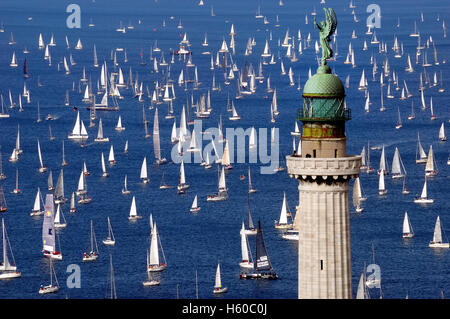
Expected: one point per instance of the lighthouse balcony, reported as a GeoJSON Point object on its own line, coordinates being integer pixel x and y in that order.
{"type": "Point", "coordinates": [340, 167]}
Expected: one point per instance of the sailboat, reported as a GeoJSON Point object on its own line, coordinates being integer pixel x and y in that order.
{"type": "Point", "coordinates": [407, 231]}
{"type": "Point", "coordinates": [3, 206]}
{"type": "Point", "coordinates": [125, 189]}
{"type": "Point", "coordinates": [48, 234]}
{"type": "Point", "coordinates": [226, 161]}
{"type": "Point", "coordinates": [246, 261]}
{"type": "Point", "coordinates": [37, 209]}
{"type": "Point", "coordinates": [150, 281]}
{"type": "Point", "coordinates": [218, 289]}
{"type": "Point", "coordinates": [110, 240]}
{"type": "Point", "coordinates": [437, 236]}
{"type": "Point", "coordinates": [222, 193]}
{"type": "Point", "coordinates": [59, 190]}
{"type": "Point", "coordinates": [235, 115]}
{"type": "Point", "coordinates": [423, 199]}
{"type": "Point", "coordinates": [430, 167]}
{"type": "Point", "coordinates": [133, 212]}
{"type": "Point", "coordinates": [155, 264]}
{"type": "Point", "coordinates": [442, 136]}
{"type": "Point", "coordinates": [17, 189]}
{"type": "Point", "coordinates": [251, 189]}
{"type": "Point", "coordinates": [156, 142]}
{"type": "Point", "coordinates": [182, 186]}
{"type": "Point", "coordinates": [263, 269]}
{"type": "Point", "coordinates": [144, 176]}
{"type": "Point", "coordinates": [381, 187]}
{"type": "Point", "coordinates": [398, 169]}
{"type": "Point", "coordinates": [119, 126]}
{"type": "Point", "coordinates": [251, 230]}
{"type": "Point", "coordinates": [195, 208]}
{"type": "Point", "coordinates": [42, 168]}
{"type": "Point", "coordinates": [79, 130]}
{"type": "Point", "coordinates": [7, 270]}
{"type": "Point", "coordinates": [51, 287]}
{"type": "Point", "coordinates": [100, 138]}
{"type": "Point", "coordinates": [112, 285]}
{"type": "Point", "coordinates": [398, 125]}
{"type": "Point", "coordinates": [383, 163]}
{"type": "Point", "coordinates": [111, 158]}
{"type": "Point", "coordinates": [357, 195]}
{"type": "Point", "coordinates": [283, 223]}
{"type": "Point", "coordinates": [104, 172]}
{"type": "Point", "coordinates": [60, 223]}
{"type": "Point", "coordinates": [421, 156]}
{"type": "Point", "coordinates": [72, 203]}
{"type": "Point", "coordinates": [93, 253]}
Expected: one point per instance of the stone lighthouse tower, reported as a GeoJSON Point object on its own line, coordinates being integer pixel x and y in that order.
{"type": "Point", "coordinates": [323, 171]}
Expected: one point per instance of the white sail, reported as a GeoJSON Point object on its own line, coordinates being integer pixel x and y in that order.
{"type": "Point", "coordinates": [226, 155]}
{"type": "Point", "coordinates": [437, 235]}
{"type": "Point", "coordinates": [222, 182]}
{"type": "Point", "coordinates": [283, 214]}
{"type": "Point", "coordinates": [154, 251]}
{"type": "Point", "coordinates": [182, 174]}
{"type": "Point", "coordinates": [144, 169]}
{"type": "Point", "coordinates": [133, 211]}
{"type": "Point", "coordinates": [218, 282]}
{"type": "Point", "coordinates": [406, 225]}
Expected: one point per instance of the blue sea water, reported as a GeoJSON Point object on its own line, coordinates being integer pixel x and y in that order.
{"type": "Point", "coordinates": [197, 242]}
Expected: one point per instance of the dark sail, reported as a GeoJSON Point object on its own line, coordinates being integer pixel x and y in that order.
{"type": "Point", "coordinates": [250, 220]}
{"type": "Point", "coordinates": [25, 71]}
{"type": "Point", "coordinates": [262, 258]}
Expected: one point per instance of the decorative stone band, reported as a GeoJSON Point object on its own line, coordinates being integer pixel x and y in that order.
{"type": "Point", "coordinates": [323, 168]}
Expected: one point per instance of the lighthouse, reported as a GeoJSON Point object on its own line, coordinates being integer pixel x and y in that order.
{"type": "Point", "coordinates": [324, 170]}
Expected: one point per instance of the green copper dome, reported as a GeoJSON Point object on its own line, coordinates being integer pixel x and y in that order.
{"type": "Point", "coordinates": [324, 84]}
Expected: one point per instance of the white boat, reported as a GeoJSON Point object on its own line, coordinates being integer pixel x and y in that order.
{"type": "Point", "coordinates": [93, 252]}
{"type": "Point", "coordinates": [156, 141]}
{"type": "Point", "coordinates": [17, 189]}
{"type": "Point", "coordinates": [52, 287]}
{"type": "Point", "coordinates": [100, 138]}
{"type": "Point", "coordinates": [430, 166]}
{"type": "Point", "coordinates": [251, 189]}
{"type": "Point", "coordinates": [222, 193]}
{"type": "Point", "coordinates": [13, 63]}
{"type": "Point", "coordinates": [79, 130]}
{"type": "Point", "coordinates": [226, 160]}
{"type": "Point", "coordinates": [60, 222]}
{"type": "Point", "coordinates": [150, 281]}
{"type": "Point", "coordinates": [421, 156]}
{"type": "Point", "coordinates": [72, 203]}
{"type": "Point", "coordinates": [195, 208]}
{"type": "Point", "coordinates": [125, 189]}
{"type": "Point", "coordinates": [104, 172]}
{"type": "Point", "coordinates": [437, 236]}
{"type": "Point", "coordinates": [407, 231]}
{"type": "Point", "coordinates": [246, 260]}
{"type": "Point", "coordinates": [398, 169]}
{"type": "Point", "coordinates": [42, 168]}
{"type": "Point", "coordinates": [79, 45]}
{"type": "Point", "coordinates": [235, 115]}
{"type": "Point", "coordinates": [383, 163]}
{"type": "Point", "coordinates": [37, 208]}
{"type": "Point", "coordinates": [7, 270]}
{"type": "Point", "coordinates": [112, 282]}
{"type": "Point", "coordinates": [133, 211]}
{"type": "Point", "coordinates": [381, 187]}
{"type": "Point", "coordinates": [3, 113]}
{"type": "Point", "coordinates": [48, 233]}
{"type": "Point", "coordinates": [156, 262]}
{"type": "Point", "coordinates": [357, 195]}
{"type": "Point", "coordinates": [218, 289]}
{"type": "Point", "coordinates": [59, 190]}
{"type": "Point", "coordinates": [144, 176]}
{"type": "Point", "coordinates": [119, 126]}
{"type": "Point", "coordinates": [423, 199]}
{"type": "Point", "coordinates": [182, 186]}
{"type": "Point", "coordinates": [111, 158]}
{"type": "Point", "coordinates": [442, 135]}
{"type": "Point", "coordinates": [283, 223]}
{"type": "Point", "coordinates": [110, 240]}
